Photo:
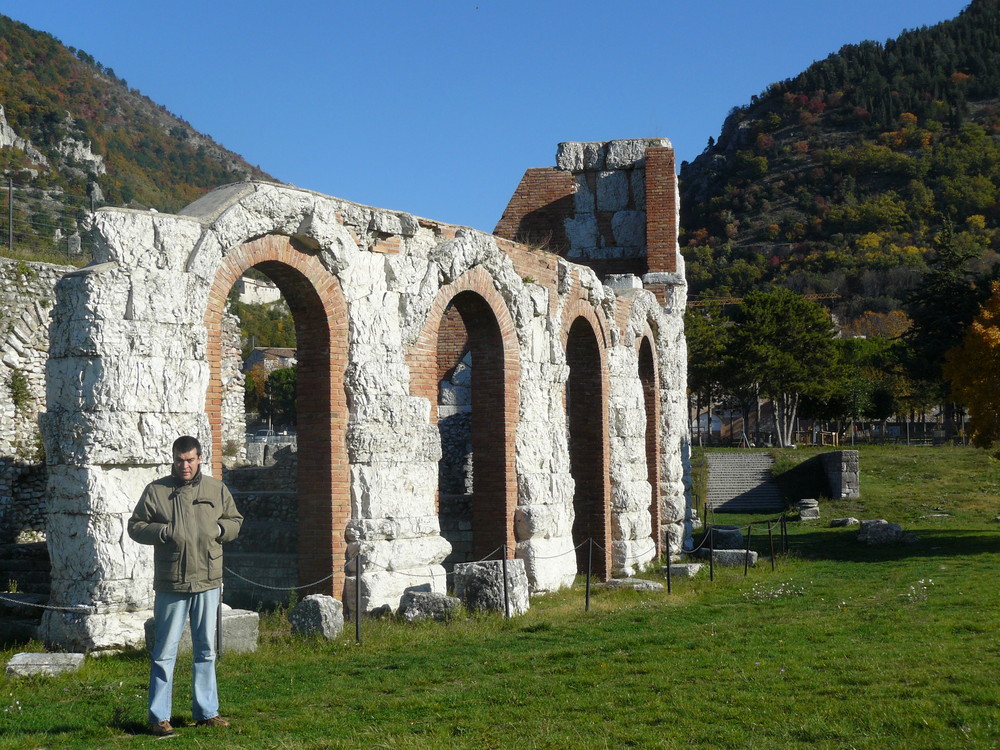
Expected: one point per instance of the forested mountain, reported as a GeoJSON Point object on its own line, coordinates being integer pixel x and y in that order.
{"type": "Point", "coordinates": [851, 177]}
{"type": "Point", "coordinates": [72, 131]}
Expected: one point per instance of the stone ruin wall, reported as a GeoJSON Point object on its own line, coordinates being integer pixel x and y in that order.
{"type": "Point", "coordinates": [27, 294]}
{"type": "Point", "coordinates": [130, 328]}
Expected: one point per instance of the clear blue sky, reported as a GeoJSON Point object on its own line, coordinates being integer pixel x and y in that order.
{"type": "Point", "coordinates": [437, 108]}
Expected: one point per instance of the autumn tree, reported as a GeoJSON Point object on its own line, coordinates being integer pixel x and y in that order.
{"type": "Point", "coordinates": [973, 368]}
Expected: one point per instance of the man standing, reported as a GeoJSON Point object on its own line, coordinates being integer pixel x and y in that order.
{"type": "Point", "coordinates": [186, 517]}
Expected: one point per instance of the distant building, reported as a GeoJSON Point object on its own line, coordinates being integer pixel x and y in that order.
{"type": "Point", "coordinates": [257, 291]}
{"type": "Point", "coordinates": [271, 357]}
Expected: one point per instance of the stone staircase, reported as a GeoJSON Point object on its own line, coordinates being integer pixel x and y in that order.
{"type": "Point", "coordinates": [742, 483]}
{"type": "Point", "coordinates": [25, 575]}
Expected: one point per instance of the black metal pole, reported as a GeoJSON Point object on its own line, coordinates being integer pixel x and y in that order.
{"type": "Point", "coordinates": [590, 567]}
{"type": "Point", "coordinates": [357, 600]}
{"type": "Point", "coordinates": [506, 592]}
{"type": "Point", "coordinates": [770, 539]}
{"type": "Point", "coordinates": [711, 553]}
{"type": "Point", "coordinates": [669, 588]}
{"type": "Point", "coordinates": [746, 557]}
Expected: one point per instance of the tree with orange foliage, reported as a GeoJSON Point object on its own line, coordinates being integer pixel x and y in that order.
{"type": "Point", "coordinates": [974, 371]}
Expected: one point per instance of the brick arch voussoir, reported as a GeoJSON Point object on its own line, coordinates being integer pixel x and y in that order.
{"type": "Point", "coordinates": [423, 352]}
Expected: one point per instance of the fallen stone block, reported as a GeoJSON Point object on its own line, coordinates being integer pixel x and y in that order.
{"type": "Point", "coordinates": [479, 585]}
{"type": "Point", "coordinates": [683, 570]}
{"type": "Point", "coordinates": [415, 606]}
{"type": "Point", "coordinates": [880, 531]}
{"type": "Point", "coordinates": [730, 558]}
{"type": "Point", "coordinates": [849, 521]}
{"type": "Point", "coordinates": [240, 632]}
{"type": "Point", "coordinates": [318, 614]}
{"type": "Point", "coordinates": [23, 665]}
{"type": "Point", "coordinates": [636, 584]}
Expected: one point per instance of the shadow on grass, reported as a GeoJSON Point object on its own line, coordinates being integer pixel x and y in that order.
{"type": "Point", "coordinates": [843, 545]}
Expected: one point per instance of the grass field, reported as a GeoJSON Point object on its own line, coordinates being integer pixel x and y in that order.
{"type": "Point", "coordinates": [841, 646]}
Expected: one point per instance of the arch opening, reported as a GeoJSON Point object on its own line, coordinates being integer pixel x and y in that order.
{"type": "Point", "coordinates": [650, 393]}
{"type": "Point", "coordinates": [296, 504]}
{"type": "Point", "coordinates": [587, 426]}
{"type": "Point", "coordinates": [473, 474]}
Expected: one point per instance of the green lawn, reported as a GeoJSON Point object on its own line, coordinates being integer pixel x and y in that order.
{"type": "Point", "coordinates": [842, 646]}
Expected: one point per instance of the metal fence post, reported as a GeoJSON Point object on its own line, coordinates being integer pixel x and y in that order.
{"type": "Point", "coordinates": [357, 599]}
{"type": "Point", "coordinates": [746, 557]}
{"type": "Point", "coordinates": [506, 592]}
{"type": "Point", "coordinates": [590, 567]}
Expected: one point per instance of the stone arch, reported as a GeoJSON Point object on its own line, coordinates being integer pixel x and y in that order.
{"type": "Point", "coordinates": [320, 313]}
{"type": "Point", "coordinates": [586, 401]}
{"type": "Point", "coordinates": [469, 315]}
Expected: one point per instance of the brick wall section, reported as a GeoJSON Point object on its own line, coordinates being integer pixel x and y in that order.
{"type": "Point", "coordinates": [495, 375]}
{"type": "Point", "coordinates": [536, 211]}
{"type": "Point", "coordinates": [320, 315]}
{"type": "Point", "coordinates": [661, 210]}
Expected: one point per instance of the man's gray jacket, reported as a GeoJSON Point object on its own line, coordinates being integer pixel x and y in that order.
{"type": "Point", "coordinates": [187, 523]}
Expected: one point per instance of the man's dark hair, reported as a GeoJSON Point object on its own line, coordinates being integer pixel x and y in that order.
{"type": "Point", "coordinates": [186, 444]}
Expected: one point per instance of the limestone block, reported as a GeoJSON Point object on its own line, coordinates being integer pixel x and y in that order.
{"type": "Point", "coordinates": [480, 586]}
{"type": "Point", "coordinates": [569, 156]}
{"type": "Point", "coordinates": [880, 531]}
{"type": "Point", "coordinates": [632, 152]}
{"type": "Point", "coordinates": [393, 489]}
{"type": "Point", "coordinates": [629, 228]}
{"type": "Point", "coordinates": [370, 529]}
{"type": "Point", "coordinates": [415, 606]}
{"type": "Point", "coordinates": [849, 521]}
{"type": "Point", "coordinates": [584, 200]}
{"type": "Point", "coordinates": [25, 665]}
{"type": "Point", "coordinates": [534, 447]}
{"type": "Point", "coordinates": [317, 614]}
{"type": "Point", "coordinates": [550, 564]}
{"type": "Point", "coordinates": [126, 384]}
{"type": "Point", "coordinates": [205, 258]}
{"type": "Point", "coordinates": [123, 236]}
{"type": "Point", "coordinates": [630, 556]}
{"type": "Point", "coordinates": [93, 632]}
{"type": "Point", "coordinates": [76, 490]}
{"type": "Point", "coordinates": [730, 558]}
{"type": "Point", "coordinates": [369, 443]}
{"type": "Point", "coordinates": [632, 584]}
{"type": "Point", "coordinates": [543, 521]}
{"type": "Point", "coordinates": [165, 296]}
{"type": "Point", "coordinates": [101, 596]}
{"type": "Point", "coordinates": [631, 524]}
{"type": "Point", "coordinates": [108, 437]}
{"type": "Point", "coordinates": [393, 411]}
{"type": "Point", "coordinates": [397, 554]}
{"type": "Point", "coordinates": [582, 233]}
{"type": "Point", "coordinates": [386, 223]}
{"type": "Point", "coordinates": [683, 570]}
{"type": "Point", "coordinates": [383, 378]}
{"type": "Point", "coordinates": [92, 547]}
{"type": "Point", "coordinates": [612, 191]}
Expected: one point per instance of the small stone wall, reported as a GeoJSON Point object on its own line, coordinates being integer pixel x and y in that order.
{"type": "Point", "coordinates": [843, 473]}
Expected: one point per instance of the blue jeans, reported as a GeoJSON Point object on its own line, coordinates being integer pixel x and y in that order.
{"type": "Point", "coordinates": [170, 612]}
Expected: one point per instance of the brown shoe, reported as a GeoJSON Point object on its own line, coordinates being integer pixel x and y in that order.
{"type": "Point", "coordinates": [215, 721]}
{"type": "Point", "coordinates": [160, 728]}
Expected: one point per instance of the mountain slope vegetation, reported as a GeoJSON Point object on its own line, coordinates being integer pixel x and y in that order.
{"type": "Point", "coordinates": [848, 178]}
{"type": "Point", "coordinates": [74, 132]}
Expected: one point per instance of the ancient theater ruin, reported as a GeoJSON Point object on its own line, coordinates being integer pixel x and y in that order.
{"type": "Point", "coordinates": [528, 383]}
